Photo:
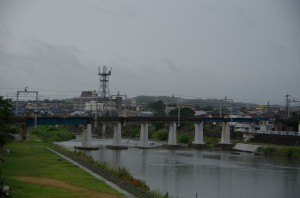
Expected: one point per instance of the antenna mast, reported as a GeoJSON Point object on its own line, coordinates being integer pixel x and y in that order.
{"type": "Point", "coordinates": [104, 83]}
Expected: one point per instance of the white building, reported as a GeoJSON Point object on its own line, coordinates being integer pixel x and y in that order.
{"type": "Point", "coordinates": [93, 105]}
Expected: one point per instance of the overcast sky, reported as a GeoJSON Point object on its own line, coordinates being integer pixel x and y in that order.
{"type": "Point", "coordinates": [242, 49]}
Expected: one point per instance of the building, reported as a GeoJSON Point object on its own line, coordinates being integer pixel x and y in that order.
{"type": "Point", "coordinates": [93, 106]}
{"type": "Point", "coordinates": [85, 97]}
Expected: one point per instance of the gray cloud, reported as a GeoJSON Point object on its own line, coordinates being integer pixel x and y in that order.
{"type": "Point", "coordinates": [241, 49]}
{"type": "Point", "coordinates": [171, 66]}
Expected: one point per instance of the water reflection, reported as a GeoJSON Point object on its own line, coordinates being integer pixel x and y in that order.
{"type": "Point", "coordinates": [185, 173]}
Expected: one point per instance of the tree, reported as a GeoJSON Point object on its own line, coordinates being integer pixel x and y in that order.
{"type": "Point", "coordinates": [157, 107]}
{"type": "Point", "coordinates": [6, 122]}
{"type": "Point", "coordinates": [184, 112]}
{"type": "Point", "coordinates": [208, 108]}
{"type": "Point", "coordinates": [197, 107]}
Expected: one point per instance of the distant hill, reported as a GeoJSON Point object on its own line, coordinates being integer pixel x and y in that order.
{"type": "Point", "coordinates": [215, 103]}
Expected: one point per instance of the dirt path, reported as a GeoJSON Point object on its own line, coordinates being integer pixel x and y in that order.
{"type": "Point", "coordinates": [63, 185]}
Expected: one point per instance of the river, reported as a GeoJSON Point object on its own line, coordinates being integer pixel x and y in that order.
{"type": "Point", "coordinates": [205, 174]}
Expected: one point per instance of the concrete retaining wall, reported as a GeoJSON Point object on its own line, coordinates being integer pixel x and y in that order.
{"type": "Point", "coordinates": [246, 147]}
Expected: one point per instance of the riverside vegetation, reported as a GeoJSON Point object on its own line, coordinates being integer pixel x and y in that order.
{"type": "Point", "coordinates": [288, 152]}
{"type": "Point", "coordinates": [186, 136]}
{"type": "Point", "coordinates": [31, 170]}
{"type": "Point", "coordinates": [49, 134]}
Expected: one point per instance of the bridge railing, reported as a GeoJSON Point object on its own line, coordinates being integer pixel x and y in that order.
{"type": "Point", "coordinates": [285, 133]}
{"type": "Point", "coordinates": [54, 120]}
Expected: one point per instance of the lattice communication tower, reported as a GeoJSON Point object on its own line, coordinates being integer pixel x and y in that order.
{"type": "Point", "coordinates": [104, 83]}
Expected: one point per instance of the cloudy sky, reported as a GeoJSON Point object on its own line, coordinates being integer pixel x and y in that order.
{"type": "Point", "coordinates": [245, 50]}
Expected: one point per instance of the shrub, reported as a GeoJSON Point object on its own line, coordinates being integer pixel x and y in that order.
{"type": "Point", "coordinates": [290, 153]}
{"type": "Point", "coordinates": [184, 138]}
{"type": "Point", "coordinates": [211, 142]}
{"type": "Point", "coordinates": [161, 135]}
{"type": "Point", "coordinates": [53, 134]}
{"type": "Point", "coordinates": [270, 151]}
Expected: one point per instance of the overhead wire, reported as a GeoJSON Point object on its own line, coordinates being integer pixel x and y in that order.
{"type": "Point", "coordinates": [132, 94]}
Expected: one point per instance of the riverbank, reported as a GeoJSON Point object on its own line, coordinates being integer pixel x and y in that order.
{"type": "Point", "coordinates": [119, 176]}
{"type": "Point", "coordinates": [270, 150]}
{"type": "Point", "coordinates": [32, 170]}
{"type": "Point", "coordinates": [185, 172]}
{"type": "Point", "coordinates": [287, 152]}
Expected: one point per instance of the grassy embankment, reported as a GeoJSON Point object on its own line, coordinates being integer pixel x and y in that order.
{"type": "Point", "coordinates": [287, 152]}
{"type": "Point", "coordinates": [32, 170]}
{"type": "Point", "coordinates": [43, 168]}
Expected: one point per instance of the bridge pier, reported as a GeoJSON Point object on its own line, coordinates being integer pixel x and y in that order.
{"type": "Point", "coordinates": [117, 134]}
{"type": "Point", "coordinates": [87, 139]}
{"type": "Point", "coordinates": [116, 142]}
{"type": "Point", "coordinates": [198, 142]}
{"type": "Point", "coordinates": [87, 136]}
{"type": "Point", "coordinates": [144, 135]}
{"type": "Point", "coordinates": [172, 134]}
{"type": "Point", "coordinates": [225, 137]}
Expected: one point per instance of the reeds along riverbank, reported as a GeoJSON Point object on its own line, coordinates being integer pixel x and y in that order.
{"type": "Point", "coordinates": [119, 176]}
{"type": "Point", "coordinates": [291, 153]}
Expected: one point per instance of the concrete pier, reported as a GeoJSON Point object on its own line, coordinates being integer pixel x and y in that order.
{"type": "Point", "coordinates": [144, 135]}
{"type": "Point", "coordinates": [116, 142]}
{"type": "Point", "coordinates": [87, 136]}
{"type": "Point", "coordinates": [198, 134]}
{"type": "Point", "coordinates": [172, 134]}
{"type": "Point", "coordinates": [225, 137]}
{"type": "Point", "coordinates": [117, 135]}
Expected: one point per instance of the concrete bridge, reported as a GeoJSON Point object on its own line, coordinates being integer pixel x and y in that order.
{"type": "Point", "coordinates": [144, 122]}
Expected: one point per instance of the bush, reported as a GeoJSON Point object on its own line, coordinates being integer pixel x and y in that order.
{"type": "Point", "coordinates": [184, 138]}
{"type": "Point", "coordinates": [53, 134]}
{"type": "Point", "coordinates": [158, 194]}
{"type": "Point", "coordinates": [290, 153]}
{"type": "Point", "coordinates": [211, 142]}
{"type": "Point", "coordinates": [161, 135]}
{"type": "Point", "coordinates": [270, 151]}
{"type": "Point", "coordinates": [131, 131]}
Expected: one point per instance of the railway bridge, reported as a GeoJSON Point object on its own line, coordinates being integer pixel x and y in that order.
{"type": "Point", "coordinates": [144, 123]}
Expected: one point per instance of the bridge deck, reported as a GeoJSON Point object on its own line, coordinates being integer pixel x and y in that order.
{"type": "Point", "coordinates": [30, 121]}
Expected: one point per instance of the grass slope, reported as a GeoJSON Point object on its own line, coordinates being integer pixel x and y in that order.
{"type": "Point", "coordinates": [28, 164]}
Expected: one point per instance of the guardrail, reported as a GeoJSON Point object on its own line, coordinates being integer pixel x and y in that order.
{"type": "Point", "coordinates": [286, 133]}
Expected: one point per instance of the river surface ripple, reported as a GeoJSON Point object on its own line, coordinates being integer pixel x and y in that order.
{"type": "Point", "coordinates": [205, 174]}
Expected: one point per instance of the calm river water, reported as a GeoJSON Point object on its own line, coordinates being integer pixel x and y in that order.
{"type": "Point", "coordinates": [187, 173]}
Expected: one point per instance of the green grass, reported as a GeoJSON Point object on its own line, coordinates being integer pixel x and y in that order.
{"type": "Point", "coordinates": [21, 189]}
{"type": "Point", "coordinates": [161, 135]}
{"type": "Point", "coordinates": [288, 152]}
{"type": "Point", "coordinates": [34, 160]}
{"type": "Point", "coordinates": [121, 173]}
{"type": "Point", "coordinates": [53, 133]}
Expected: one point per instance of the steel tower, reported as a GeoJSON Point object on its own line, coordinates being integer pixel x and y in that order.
{"type": "Point", "coordinates": [104, 86]}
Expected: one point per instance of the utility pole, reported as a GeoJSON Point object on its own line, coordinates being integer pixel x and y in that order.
{"type": "Point", "coordinates": [36, 102]}
{"type": "Point", "coordinates": [227, 99]}
{"type": "Point", "coordinates": [288, 104]}
{"type": "Point", "coordinates": [179, 107]}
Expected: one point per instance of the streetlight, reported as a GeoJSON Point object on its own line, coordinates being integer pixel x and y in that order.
{"type": "Point", "coordinates": [178, 115]}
